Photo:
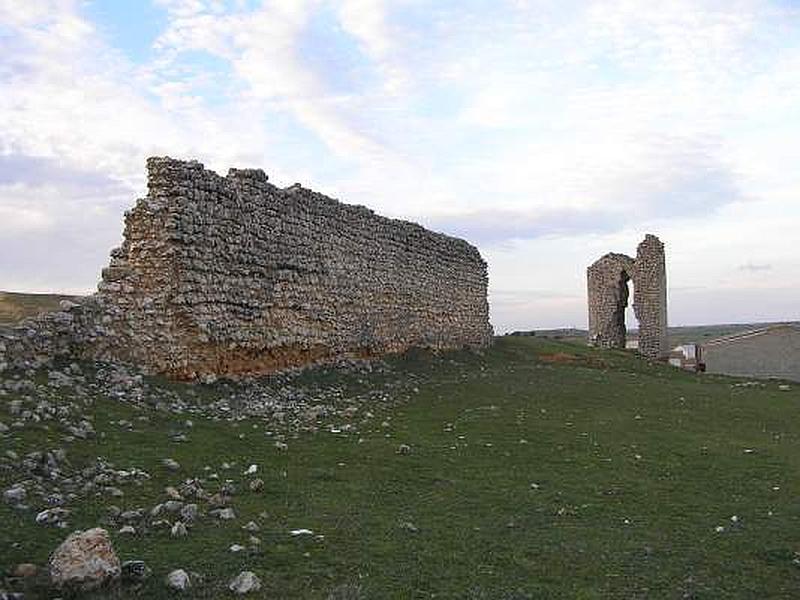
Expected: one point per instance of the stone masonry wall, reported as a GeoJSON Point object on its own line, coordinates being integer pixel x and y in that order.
{"type": "Point", "coordinates": [650, 297]}
{"type": "Point", "coordinates": [233, 276]}
{"type": "Point", "coordinates": [607, 282]}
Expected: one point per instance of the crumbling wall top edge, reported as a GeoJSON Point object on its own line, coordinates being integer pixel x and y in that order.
{"type": "Point", "coordinates": [162, 170]}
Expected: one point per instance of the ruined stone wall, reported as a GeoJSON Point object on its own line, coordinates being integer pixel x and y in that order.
{"type": "Point", "coordinates": [232, 275]}
{"type": "Point", "coordinates": [607, 282]}
{"type": "Point", "coordinates": [650, 297]}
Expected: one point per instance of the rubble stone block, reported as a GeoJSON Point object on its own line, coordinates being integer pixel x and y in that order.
{"type": "Point", "coordinates": [84, 561]}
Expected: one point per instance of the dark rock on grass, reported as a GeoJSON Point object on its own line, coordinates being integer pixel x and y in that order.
{"type": "Point", "coordinates": [135, 571]}
{"type": "Point", "coordinates": [190, 512]}
{"type": "Point", "coordinates": [53, 516]}
{"type": "Point", "coordinates": [224, 514]}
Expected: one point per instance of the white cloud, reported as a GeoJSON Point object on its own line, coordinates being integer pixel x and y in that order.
{"type": "Point", "coordinates": [16, 217]}
{"type": "Point", "coordinates": [366, 21]}
{"type": "Point", "coordinates": [548, 132]}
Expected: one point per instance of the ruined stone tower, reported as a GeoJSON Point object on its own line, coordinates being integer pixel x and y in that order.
{"type": "Point", "coordinates": [607, 281]}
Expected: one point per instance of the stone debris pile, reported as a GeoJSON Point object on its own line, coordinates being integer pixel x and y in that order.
{"type": "Point", "coordinates": [234, 276]}
{"type": "Point", "coordinates": [46, 483]}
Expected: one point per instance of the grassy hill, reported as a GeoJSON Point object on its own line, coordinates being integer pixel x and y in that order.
{"type": "Point", "coordinates": [539, 469]}
{"type": "Point", "coordinates": [15, 306]}
{"type": "Point", "coordinates": [677, 335]}
{"type": "Point", "coordinates": [703, 333]}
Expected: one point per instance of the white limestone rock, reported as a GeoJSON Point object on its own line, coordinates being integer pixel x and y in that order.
{"type": "Point", "coordinates": [85, 560]}
{"type": "Point", "coordinates": [178, 580]}
{"type": "Point", "coordinates": [245, 583]}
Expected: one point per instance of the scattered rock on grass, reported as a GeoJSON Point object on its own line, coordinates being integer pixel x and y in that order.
{"type": "Point", "coordinates": [134, 571]}
{"type": "Point", "coordinates": [190, 512]}
{"type": "Point", "coordinates": [15, 494]}
{"type": "Point", "coordinates": [179, 529]}
{"type": "Point", "coordinates": [171, 464]}
{"type": "Point", "coordinates": [172, 493]}
{"type": "Point", "coordinates": [409, 526]}
{"type": "Point", "coordinates": [178, 580]}
{"type": "Point", "coordinates": [85, 560]}
{"type": "Point", "coordinates": [244, 583]}
{"type": "Point", "coordinates": [224, 514]}
{"type": "Point", "coordinates": [25, 570]}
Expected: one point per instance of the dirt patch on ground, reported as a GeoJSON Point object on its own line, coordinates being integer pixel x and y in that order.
{"type": "Point", "coordinates": [559, 358]}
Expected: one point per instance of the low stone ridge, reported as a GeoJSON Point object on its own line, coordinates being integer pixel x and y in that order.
{"type": "Point", "coordinates": [607, 281]}
{"type": "Point", "coordinates": [234, 276]}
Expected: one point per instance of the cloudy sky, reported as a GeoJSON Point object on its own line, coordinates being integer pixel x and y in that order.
{"type": "Point", "coordinates": [546, 132]}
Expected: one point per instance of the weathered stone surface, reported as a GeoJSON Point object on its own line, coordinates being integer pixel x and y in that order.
{"type": "Point", "coordinates": [190, 512]}
{"type": "Point", "coordinates": [607, 281]}
{"type": "Point", "coordinates": [85, 560]}
{"type": "Point", "coordinates": [245, 583]}
{"type": "Point", "coordinates": [52, 516]}
{"type": "Point", "coordinates": [15, 495]}
{"type": "Point", "coordinates": [135, 571]}
{"type": "Point", "coordinates": [234, 276]}
{"type": "Point", "coordinates": [178, 580]}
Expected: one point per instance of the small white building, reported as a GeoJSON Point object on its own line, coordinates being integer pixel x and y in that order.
{"type": "Point", "coordinates": [686, 356]}
{"type": "Point", "coordinates": [771, 352]}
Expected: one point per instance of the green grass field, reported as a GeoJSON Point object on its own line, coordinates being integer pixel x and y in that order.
{"type": "Point", "coordinates": [540, 469]}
